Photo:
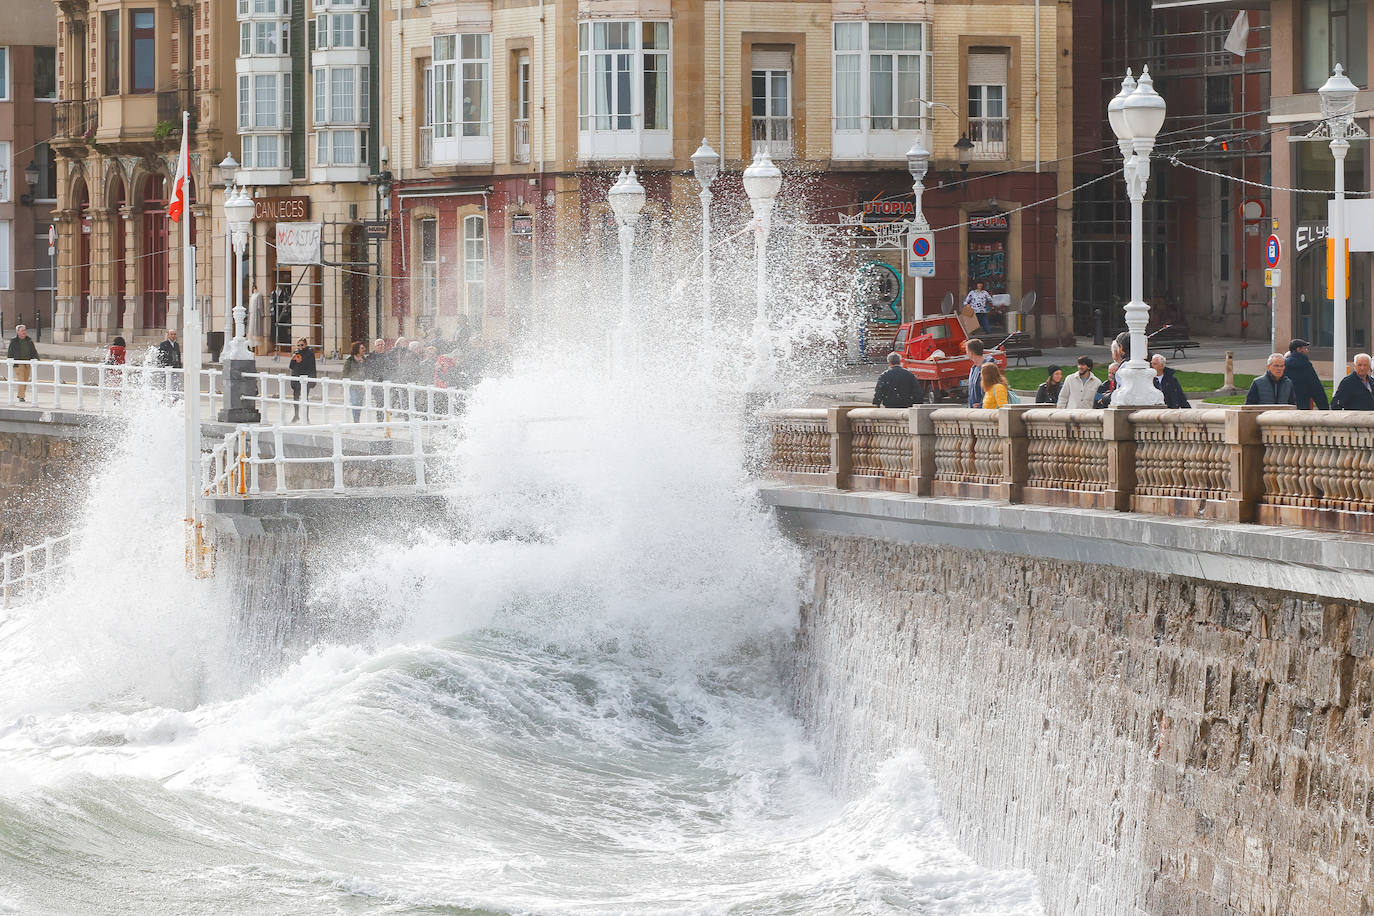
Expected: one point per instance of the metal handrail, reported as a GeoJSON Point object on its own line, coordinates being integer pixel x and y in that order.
{"type": "Point", "coordinates": [33, 564]}
{"type": "Point", "coordinates": [389, 401]}
{"type": "Point", "coordinates": [97, 387]}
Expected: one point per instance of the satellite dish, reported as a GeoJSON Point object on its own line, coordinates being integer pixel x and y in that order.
{"type": "Point", "coordinates": [1027, 303]}
{"type": "Point", "coordinates": [947, 304]}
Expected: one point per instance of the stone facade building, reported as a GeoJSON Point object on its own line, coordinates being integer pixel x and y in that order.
{"type": "Point", "coordinates": [28, 92]}
{"type": "Point", "coordinates": [510, 121]}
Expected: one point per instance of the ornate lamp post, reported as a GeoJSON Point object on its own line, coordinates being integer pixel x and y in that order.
{"type": "Point", "coordinates": [762, 181]}
{"type": "Point", "coordinates": [963, 148]}
{"type": "Point", "coordinates": [706, 166]}
{"type": "Point", "coordinates": [237, 359]}
{"type": "Point", "coordinates": [1136, 115]}
{"type": "Point", "coordinates": [1338, 110]}
{"type": "Point", "coordinates": [626, 198]}
{"type": "Point", "coordinates": [917, 163]}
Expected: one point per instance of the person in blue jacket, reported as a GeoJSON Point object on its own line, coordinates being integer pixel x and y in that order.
{"type": "Point", "coordinates": [1308, 391]}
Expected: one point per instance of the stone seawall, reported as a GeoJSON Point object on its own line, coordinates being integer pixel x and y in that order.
{"type": "Point", "coordinates": [1142, 742]}
{"type": "Point", "coordinates": [44, 469]}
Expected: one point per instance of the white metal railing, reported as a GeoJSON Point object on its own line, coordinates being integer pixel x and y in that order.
{"type": "Point", "coordinates": [33, 565]}
{"type": "Point", "coordinates": [235, 466]}
{"type": "Point", "coordinates": [989, 136]}
{"type": "Point", "coordinates": [96, 387]}
{"type": "Point", "coordinates": [385, 401]}
{"type": "Point", "coordinates": [773, 135]}
{"type": "Point", "coordinates": [522, 140]}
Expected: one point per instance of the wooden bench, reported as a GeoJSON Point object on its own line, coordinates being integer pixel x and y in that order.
{"type": "Point", "coordinates": [1018, 345]}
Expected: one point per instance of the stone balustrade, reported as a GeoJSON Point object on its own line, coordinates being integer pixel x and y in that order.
{"type": "Point", "coordinates": [1271, 465]}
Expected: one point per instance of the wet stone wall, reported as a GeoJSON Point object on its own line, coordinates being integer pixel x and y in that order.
{"type": "Point", "coordinates": [1143, 743]}
{"type": "Point", "coordinates": [42, 483]}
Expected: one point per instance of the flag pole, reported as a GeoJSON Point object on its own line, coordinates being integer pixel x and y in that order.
{"type": "Point", "coordinates": [191, 335]}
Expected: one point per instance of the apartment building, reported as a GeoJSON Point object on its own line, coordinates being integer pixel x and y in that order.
{"type": "Point", "coordinates": [28, 167]}
{"type": "Point", "coordinates": [509, 122]}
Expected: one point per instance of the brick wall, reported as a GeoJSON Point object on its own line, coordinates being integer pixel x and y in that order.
{"type": "Point", "coordinates": [1143, 743]}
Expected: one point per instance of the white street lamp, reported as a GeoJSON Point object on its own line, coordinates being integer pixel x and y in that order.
{"type": "Point", "coordinates": [1136, 115]}
{"type": "Point", "coordinates": [1338, 109]}
{"type": "Point", "coordinates": [917, 163]}
{"type": "Point", "coordinates": [762, 181]}
{"type": "Point", "coordinates": [227, 167]}
{"type": "Point", "coordinates": [706, 166]}
{"type": "Point", "coordinates": [238, 213]}
{"type": "Point", "coordinates": [626, 198]}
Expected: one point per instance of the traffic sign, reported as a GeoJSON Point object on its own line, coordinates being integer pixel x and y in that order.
{"type": "Point", "coordinates": [920, 254]}
{"type": "Point", "coordinates": [52, 234]}
{"type": "Point", "coordinates": [1273, 277]}
{"type": "Point", "coordinates": [1273, 250]}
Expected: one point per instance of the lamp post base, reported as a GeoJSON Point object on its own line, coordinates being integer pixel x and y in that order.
{"type": "Point", "coordinates": [238, 408]}
{"type": "Point", "coordinates": [1135, 387]}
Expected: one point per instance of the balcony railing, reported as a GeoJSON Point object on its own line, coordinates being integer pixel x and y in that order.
{"type": "Point", "coordinates": [172, 102]}
{"type": "Point", "coordinates": [426, 157]}
{"type": "Point", "coordinates": [772, 135]}
{"type": "Point", "coordinates": [521, 147]}
{"type": "Point", "coordinates": [76, 118]}
{"type": "Point", "coordinates": [989, 136]}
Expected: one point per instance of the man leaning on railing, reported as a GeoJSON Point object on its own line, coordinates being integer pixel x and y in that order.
{"type": "Point", "coordinates": [22, 348]}
{"type": "Point", "coordinates": [1356, 390]}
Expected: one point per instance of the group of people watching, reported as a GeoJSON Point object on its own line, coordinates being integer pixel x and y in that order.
{"type": "Point", "coordinates": [1289, 378]}
{"type": "Point", "coordinates": [409, 362]}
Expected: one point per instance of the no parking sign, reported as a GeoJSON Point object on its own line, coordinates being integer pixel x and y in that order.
{"type": "Point", "coordinates": [920, 254]}
{"type": "Point", "coordinates": [1273, 251]}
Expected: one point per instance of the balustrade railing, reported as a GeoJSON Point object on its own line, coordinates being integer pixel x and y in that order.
{"type": "Point", "coordinates": [382, 401]}
{"type": "Point", "coordinates": [97, 387]}
{"type": "Point", "coordinates": [1271, 465]}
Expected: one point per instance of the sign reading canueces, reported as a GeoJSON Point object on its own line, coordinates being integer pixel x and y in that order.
{"type": "Point", "coordinates": [281, 209]}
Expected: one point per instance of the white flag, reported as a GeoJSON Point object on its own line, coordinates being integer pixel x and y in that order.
{"type": "Point", "coordinates": [1240, 34]}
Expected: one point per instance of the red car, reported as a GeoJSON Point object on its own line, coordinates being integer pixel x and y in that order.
{"type": "Point", "coordinates": [933, 350]}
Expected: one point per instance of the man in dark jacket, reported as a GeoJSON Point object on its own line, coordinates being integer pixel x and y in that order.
{"type": "Point", "coordinates": [169, 352]}
{"type": "Point", "coordinates": [1274, 386]}
{"type": "Point", "coordinates": [1308, 390]}
{"type": "Point", "coordinates": [1356, 390]}
{"type": "Point", "coordinates": [22, 350]}
{"type": "Point", "coordinates": [897, 387]}
{"type": "Point", "coordinates": [1168, 384]}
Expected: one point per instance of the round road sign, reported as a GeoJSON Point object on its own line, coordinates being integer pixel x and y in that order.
{"type": "Point", "coordinates": [921, 247]}
{"type": "Point", "coordinates": [1273, 250]}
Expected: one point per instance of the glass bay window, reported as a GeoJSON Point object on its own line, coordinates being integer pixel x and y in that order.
{"type": "Point", "coordinates": [624, 90]}
{"type": "Point", "coordinates": [460, 98]}
{"type": "Point", "coordinates": [881, 74]}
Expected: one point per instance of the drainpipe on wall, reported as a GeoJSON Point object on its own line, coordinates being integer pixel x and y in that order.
{"type": "Point", "coordinates": [1037, 87]}
{"type": "Point", "coordinates": [721, 88]}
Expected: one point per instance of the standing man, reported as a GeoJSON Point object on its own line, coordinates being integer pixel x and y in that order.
{"type": "Point", "coordinates": [169, 352]}
{"type": "Point", "coordinates": [1308, 391]}
{"type": "Point", "coordinates": [1356, 390]}
{"type": "Point", "coordinates": [974, 348]}
{"type": "Point", "coordinates": [897, 387]}
{"type": "Point", "coordinates": [22, 348]}
{"type": "Point", "coordinates": [980, 300]}
{"type": "Point", "coordinates": [1080, 388]}
{"type": "Point", "coordinates": [1168, 384]}
{"type": "Point", "coordinates": [1273, 387]}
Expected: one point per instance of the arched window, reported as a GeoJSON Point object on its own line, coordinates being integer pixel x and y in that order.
{"type": "Point", "coordinates": [154, 252]}
{"type": "Point", "coordinates": [475, 267]}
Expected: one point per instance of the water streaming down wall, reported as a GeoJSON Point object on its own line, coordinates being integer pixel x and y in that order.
{"type": "Point", "coordinates": [1142, 743]}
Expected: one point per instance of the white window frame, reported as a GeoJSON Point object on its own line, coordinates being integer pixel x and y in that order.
{"type": "Point", "coordinates": [5, 171]}
{"type": "Point", "coordinates": [6, 256]}
{"type": "Point", "coordinates": [4, 73]}
{"type": "Point", "coordinates": [251, 152]}
{"type": "Point", "coordinates": [251, 119]}
{"type": "Point", "coordinates": [328, 28]}
{"type": "Point", "coordinates": [987, 144]}
{"type": "Point", "coordinates": [269, 9]}
{"type": "Point", "coordinates": [475, 266]}
{"type": "Point", "coordinates": [327, 145]}
{"type": "Point", "coordinates": [459, 137]}
{"type": "Point", "coordinates": [253, 32]}
{"type": "Point", "coordinates": [770, 130]}
{"type": "Point", "coordinates": [619, 131]}
{"type": "Point", "coordinates": [854, 134]}
{"type": "Point", "coordinates": [429, 269]}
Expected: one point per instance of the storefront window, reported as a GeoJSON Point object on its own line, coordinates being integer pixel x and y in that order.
{"type": "Point", "coordinates": [1312, 310]}
{"type": "Point", "coordinates": [987, 252]}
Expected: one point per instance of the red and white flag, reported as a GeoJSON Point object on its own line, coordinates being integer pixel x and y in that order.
{"type": "Point", "coordinates": [177, 205]}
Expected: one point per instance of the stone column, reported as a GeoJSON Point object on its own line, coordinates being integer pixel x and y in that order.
{"type": "Point", "coordinates": [1119, 435]}
{"type": "Point", "coordinates": [132, 312]}
{"type": "Point", "coordinates": [1012, 428]}
{"type": "Point", "coordinates": [923, 448]}
{"type": "Point", "coordinates": [841, 447]}
{"type": "Point", "coordinates": [103, 293]}
{"type": "Point", "coordinates": [68, 274]}
{"type": "Point", "coordinates": [1247, 460]}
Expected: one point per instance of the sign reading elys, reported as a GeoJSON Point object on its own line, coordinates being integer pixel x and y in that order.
{"type": "Point", "coordinates": [298, 243]}
{"type": "Point", "coordinates": [920, 254]}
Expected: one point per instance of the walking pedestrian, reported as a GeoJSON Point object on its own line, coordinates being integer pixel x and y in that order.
{"type": "Point", "coordinates": [22, 349]}
{"type": "Point", "coordinates": [355, 372]}
{"type": "Point", "coordinates": [980, 300]}
{"type": "Point", "coordinates": [1308, 391]}
{"type": "Point", "coordinates": [302, 367]}
{"type": "Point", "coordinates": [897, 387]}
{"type": "Point", "coordinates": [378, 373]}
{"type": "Point", "coordinates": [1168, 384]}
{"type": "Point", "coordinates": [974, 348]}
{"type": "Point", "coordinates": [1356, 390]}
{"type": "Point", "coordinates": [1048, 392]}
{"type": "Point", "coordinates": [994, 382]}
{"type": "Point", "coordinates": [1079, 389]}
{"type": "Point", "coordinates": [1274, 386]}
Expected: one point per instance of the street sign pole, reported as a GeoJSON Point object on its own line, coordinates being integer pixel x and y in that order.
{"type": "Point", "coordinates": [1273, 254]}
